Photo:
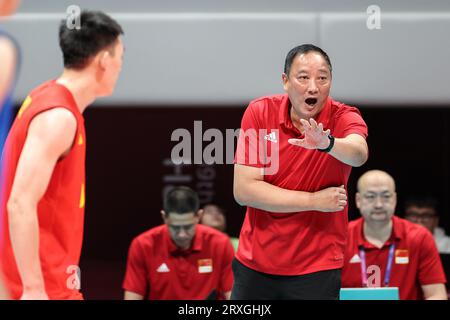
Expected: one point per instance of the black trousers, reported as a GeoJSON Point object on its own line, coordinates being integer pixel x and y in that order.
{"type": "Point", "coordinates": [253, 285]}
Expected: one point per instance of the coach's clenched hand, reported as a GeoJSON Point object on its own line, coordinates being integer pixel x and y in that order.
{"type": "Point", "coordinates": [331, 199]}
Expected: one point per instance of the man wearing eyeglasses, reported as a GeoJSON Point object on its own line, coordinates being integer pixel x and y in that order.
{"type": "Point", "coordinates": [181, 259]}
{"type": "Point", "coordinates": [423, 210]}
{"type": "Point", "coordinates": [384, 250]}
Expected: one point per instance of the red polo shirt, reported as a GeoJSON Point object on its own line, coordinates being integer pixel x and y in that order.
{"type": "Point", "coordinates": [158, 270]}
{"type": "Point", "coordinates": [301, 242]}
{"type": "Point", "coordinates": [416, 258]}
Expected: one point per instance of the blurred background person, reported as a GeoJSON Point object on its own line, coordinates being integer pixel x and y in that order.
{"type": "Point", "coordinates": [179, 260]}
{"type": "Point", "coordinates": [9, 69]}
{"type": "Point", "coordinates": [424, 211]}
{"type": "Point", "coordinates": [214, 216]}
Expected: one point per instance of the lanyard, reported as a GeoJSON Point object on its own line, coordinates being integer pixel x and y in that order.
{"type": "Point", "coordinates": [387, 275]}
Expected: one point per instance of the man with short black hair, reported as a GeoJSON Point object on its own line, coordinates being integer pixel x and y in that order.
{"type": "Point", "coordinates": [293, 160]}
{"type": "Point", "coordinates": [181, 259]}
{"type": "Point", "coordinates": [44, 176]}
{"type": "Point", "coordinates": [424, 211]}
{"type": "Point", "coordinates": [9, 64]}
{"type": "Point", "coordinates": [214, 217]}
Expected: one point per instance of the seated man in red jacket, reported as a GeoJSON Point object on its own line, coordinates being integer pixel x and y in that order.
{"type": "Point", "coordinates": [9, 53]}
{"type": "Point", "coordinates": [180, 259]}
{"type": "Point", "coordinates": [385, 250]}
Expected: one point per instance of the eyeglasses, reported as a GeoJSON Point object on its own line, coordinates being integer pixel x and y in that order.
{"type": "Point", "coordinates": [415, 216]}
{"type": "Point", "coordinates": [372, 197]}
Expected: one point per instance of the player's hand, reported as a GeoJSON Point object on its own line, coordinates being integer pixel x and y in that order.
{"type": "Point", "coordinates": [315, 136]}
{"type": "Point", "coordinates": [34, 295]}
{"type": "Point", "coordinates": [331, 199]}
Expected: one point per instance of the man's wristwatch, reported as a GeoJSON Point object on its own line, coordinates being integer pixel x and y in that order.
{"type": "Point", "coordinates": [330, 146]}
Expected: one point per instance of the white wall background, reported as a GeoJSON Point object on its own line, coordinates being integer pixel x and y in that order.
{"type": "Point", "coordinates": [182, 52]}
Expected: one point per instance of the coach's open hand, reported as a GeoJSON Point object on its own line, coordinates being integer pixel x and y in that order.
{"type": "Point", "coordinates": [315, 136]}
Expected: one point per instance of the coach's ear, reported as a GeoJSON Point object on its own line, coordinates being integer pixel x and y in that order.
{"type": "Point", "coordinates": [285, 79]}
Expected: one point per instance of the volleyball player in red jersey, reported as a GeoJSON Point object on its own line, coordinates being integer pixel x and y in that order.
{"type": "Point", "coordinates": [43, 206]}
{"type": "Point", "coordinates": [9, 56]}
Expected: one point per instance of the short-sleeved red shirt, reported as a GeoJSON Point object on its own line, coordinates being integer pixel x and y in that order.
{"type": "Point", "coordinates": [416, 260]}
{"type": "Point", "coordinates": [158, 270]}
{"type": "Point", "coordinates": [300, 242]}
